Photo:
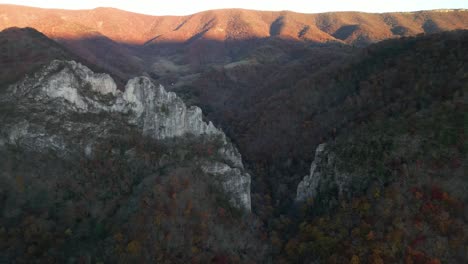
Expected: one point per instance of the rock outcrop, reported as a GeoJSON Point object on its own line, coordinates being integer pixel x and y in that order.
{"type": "Point", "coordinates": [68, 108]}
{"type": "Point", "coordinates": [162, 114]}
{"type": "Point", "coordinates": [324, 177]}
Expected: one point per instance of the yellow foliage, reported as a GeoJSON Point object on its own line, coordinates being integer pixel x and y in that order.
{"type": "Point", "coordinates": [157, 220]}
{"type": "Point", "coordinates": [68, 232]}
{"type": "Point", "coordinates": [355, 260]}
{"type": "Point", "coordinates": [20, 183]}
{"type": "Point", "coordinates": [377, 194]}
{"type": "Point", "coordinates": [195, 250]}
{"type": "Point", "coordinates": [291, 247]}
{"type": "Point", "coordinates": [302, 248]}
{"type": "Point", "coordinates": [365, 206]}
{"type": "Point", "coordinates": [134, 247]}
{"type": "Point", "coordinates": [188, 208]}
{"type": "Point", "coordinates": [355, 232]}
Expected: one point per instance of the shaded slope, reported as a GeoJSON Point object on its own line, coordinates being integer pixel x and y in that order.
{"type": "Point", "coordinates": [24, 50]}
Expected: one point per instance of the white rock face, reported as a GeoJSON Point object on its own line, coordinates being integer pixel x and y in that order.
{"type": "Point", "coordinates": [162, 114]}
{"type": "Point", "coordinates": [72, 82]}
{"type": "Point", "coordinates": [234, 181]}
{"type": "Point", "coordinates": [324, 175]}
{"type": "Point", "coordinates": [64, 88]}
{"type": "Point", "coordinates": [307, 188]}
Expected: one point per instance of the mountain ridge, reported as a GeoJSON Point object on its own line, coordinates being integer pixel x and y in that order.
{"type": "Point", "coordinates": [128, 44]}
{"type": "Point", "coordinates": [140, 28]}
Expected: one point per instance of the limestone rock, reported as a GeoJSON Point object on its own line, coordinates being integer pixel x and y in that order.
{"type": "Point", "coordinates": [68, 108]}
{"type": "Point", "coordinates": [162, 114]}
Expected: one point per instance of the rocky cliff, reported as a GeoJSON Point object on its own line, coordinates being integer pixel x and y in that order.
{"type": "Point", "coordinates": [67, 108]}
{"type": "Point", "coordinates": [324, 177]}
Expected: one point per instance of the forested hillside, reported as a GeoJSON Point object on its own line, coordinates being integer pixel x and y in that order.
{"type": "Point", "coordinates": [324, 138]}
{"type": "Point", "coordinates": [401, 138]}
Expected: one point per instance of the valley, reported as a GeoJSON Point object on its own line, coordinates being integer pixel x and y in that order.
{"type": "Point", "coordinates": [333, 137]}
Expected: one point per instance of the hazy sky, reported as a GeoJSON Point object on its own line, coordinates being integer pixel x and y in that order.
{"type": "Point", "coordinates": [184, 7]}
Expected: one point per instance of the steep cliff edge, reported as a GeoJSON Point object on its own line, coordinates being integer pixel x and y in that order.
{"type": "Point", "coordinates": [67, 108]}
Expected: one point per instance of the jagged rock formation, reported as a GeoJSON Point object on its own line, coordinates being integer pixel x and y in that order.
{"type": "Point", "coordinates": [323, 177]}
{"type": "Point", "coordinates": [162, 114]}
{"type": "Point", "coordinates": [68, 108]}
{"type": "Point", "coordinates": [307, 188]}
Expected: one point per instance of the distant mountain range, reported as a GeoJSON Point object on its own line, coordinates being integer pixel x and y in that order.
{"type": "Point", "coordinates": [230, 24]}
